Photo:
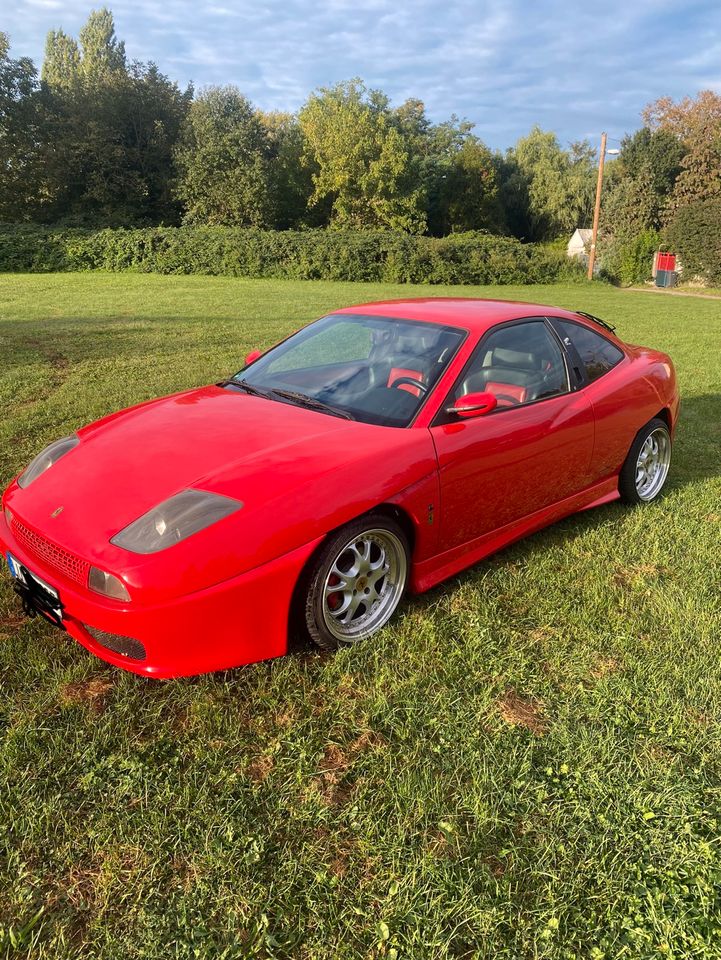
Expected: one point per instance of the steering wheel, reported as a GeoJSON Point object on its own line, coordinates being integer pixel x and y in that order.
{"type": "Point", "coordinates": [412, 382]}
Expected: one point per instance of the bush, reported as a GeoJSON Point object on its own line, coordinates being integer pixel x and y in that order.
{"type": "Point", "coordinates": [301, 255]}
{"type": "Point", "coordinates": [630, 260]}
{"type": "Point", "coordinates": [695, 235]}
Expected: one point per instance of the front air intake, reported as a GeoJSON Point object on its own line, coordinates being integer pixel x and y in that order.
{"type": "Point", "coordinates": [125, 646]}
{"type": "Point", "coordinates": [57, 557]}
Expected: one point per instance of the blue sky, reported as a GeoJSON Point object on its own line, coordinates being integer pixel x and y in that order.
{"type": "Point", "coordinates": [576, 68]}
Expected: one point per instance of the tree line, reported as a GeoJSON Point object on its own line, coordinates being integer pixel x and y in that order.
{"type": "Point", "coordinates": [96, 140]}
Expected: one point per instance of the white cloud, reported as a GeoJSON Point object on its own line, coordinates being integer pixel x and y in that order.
{"type": "Point", "coordinates": [505, 64]}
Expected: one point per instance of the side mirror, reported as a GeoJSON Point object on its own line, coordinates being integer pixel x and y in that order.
{"type": "Point", "coordinates": [253, 356]}
{"type": "Point", "coordinates": [473, 405]}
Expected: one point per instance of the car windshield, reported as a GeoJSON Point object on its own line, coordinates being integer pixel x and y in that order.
{"type": "Point", "coordinates": [373, 369]}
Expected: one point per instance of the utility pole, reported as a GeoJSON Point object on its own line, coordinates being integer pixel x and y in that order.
{"type": "Point", "coordinates": [597, 208]}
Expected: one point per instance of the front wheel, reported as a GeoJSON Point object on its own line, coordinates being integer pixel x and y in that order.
{"type": "Point", "coordinates": [646, 467]}
{"type": "Point", "coordinates": [356, 581]}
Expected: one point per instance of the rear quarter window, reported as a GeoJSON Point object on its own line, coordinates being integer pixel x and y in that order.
{"type": "Point", "coordinates": [597, 354]}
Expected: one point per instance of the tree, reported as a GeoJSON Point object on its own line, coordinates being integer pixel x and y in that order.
{"type": "Point", "coordinates": [155, 110]}
{"type": "Point", "coordinates": [546, 191]}
{"type": "Point", "coordinates": [455, 171]}
{"type": "Point", "coordinates": [640, 182]}
{"type": "Point", "coordinates": [695, 123]}
{"type": "Point", "coordinates": [223, 161]}
{"type": "Point", "coordinates": [112, 129]}
{"type": "Point", "coordinates": [22, 119]}
{"type": "Point", "coordinates": [467, 196]}
{"type": "Point", "coordinates": [695, 234]}
{"type": "Point", "coordinates": [291, 179]}
{"type": "Point", "coordinates": [361, 163]}
{"type": "Point", "coordinates": [61, 67]}
{"type": "Point", "coordinates": [102, 53]}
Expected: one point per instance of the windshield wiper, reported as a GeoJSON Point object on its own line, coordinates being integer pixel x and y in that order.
{"type": "Point", "coordinates": [242, 385]}
{"type": "Point", "coordinates": [305, 401]}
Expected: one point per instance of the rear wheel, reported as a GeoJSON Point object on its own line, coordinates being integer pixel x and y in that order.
{"type": "Point", "coordinates": [645, 470]}
{"type": "Point", "coordinates": [356, 581]}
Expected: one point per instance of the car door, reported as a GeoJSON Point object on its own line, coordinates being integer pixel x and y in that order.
{"type": "Point", "coordinates": [533, 450]}
{"type": "Point", "coordinates": [610, 391]}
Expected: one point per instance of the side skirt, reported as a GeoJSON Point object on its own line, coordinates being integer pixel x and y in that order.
{"type": "Point", "coordinates": [430, 572]}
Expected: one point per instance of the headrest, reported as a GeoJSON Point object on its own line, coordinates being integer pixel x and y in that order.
{"type": "Point", "coordinates": [514, 358]}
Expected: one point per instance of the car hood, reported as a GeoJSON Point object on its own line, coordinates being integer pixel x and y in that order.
{"type": "Point", "coordinates": [259, 451]}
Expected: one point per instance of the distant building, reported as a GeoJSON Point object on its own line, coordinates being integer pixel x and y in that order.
{"type": "Point", "coordinates": [579, 245]}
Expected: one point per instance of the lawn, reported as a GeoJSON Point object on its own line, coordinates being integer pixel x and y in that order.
{"type": "Point", "coordinates": [526, 764]}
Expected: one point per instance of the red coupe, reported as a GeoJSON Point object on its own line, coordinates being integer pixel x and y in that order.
{"type": "Point", "coordinates": [384, 447]}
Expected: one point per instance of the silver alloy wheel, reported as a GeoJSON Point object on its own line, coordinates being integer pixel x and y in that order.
{"type": "Point", "coordinates": [364, 585]}
{"type": "Point", "coordinates": [654, 459]}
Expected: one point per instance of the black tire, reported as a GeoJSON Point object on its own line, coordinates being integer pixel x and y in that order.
{"type": "Point", "coordinates": [628, 485]}
{"type": "Point", "coordinates": [320, 620]}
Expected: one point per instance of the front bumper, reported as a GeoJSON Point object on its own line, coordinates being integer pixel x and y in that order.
{"type": "Point", "coordinates": [241, 620]}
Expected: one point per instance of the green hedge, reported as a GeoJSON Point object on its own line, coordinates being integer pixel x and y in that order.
{"type": "Point", "coordinates": [299, 255]}
{"type": "Point", "coordinates": [630, 260]}
{"type": "Point", "coordinates": [695, 235]}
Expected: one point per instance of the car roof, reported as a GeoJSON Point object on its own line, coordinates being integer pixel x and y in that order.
{"type": "Point", "coordinates": [470, 313]}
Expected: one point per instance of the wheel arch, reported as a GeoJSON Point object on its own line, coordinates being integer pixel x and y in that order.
{"type": "Point", "coordinates": [390, 510]}
{"type": "Point", "coordinates": [403, 519]}
{"type": "Point", "coordinates": [664, 414]}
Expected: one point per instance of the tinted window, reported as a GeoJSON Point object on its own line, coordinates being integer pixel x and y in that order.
{"type": "Point", "coordinates": [597, 354]}
{"type": "Point", "coordinates": [517, 364]}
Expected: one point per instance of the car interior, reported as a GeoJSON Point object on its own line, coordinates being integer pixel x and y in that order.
{"type": "Point", "coordinates": [518, 364]}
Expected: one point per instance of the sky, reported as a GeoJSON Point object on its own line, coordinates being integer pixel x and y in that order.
{"type": "Point", "coordinates": [573, 67]}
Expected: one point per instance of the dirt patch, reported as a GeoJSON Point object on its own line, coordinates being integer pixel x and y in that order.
{"type": "Point", "coordinates": [260, 768]}
{"type": "Point", "coordinates": [58, 361]}
{"type": "Point", "coordinates": [337, 760]}
{"type": "Point", "coordinates": [495, 866]}
{"type": "Point", "coordinates": [329, 783]}
{"type": "Point", "coordinates": [11, 622]}
{"type": "Point", "coordinates": [93, 692]}
{"type": "Point", "coordinates": [520, 711]}
{"type": "Point", "coordinates": [80, 887]}
{"type": "Point", "coordinates": [334, 760]}
{"type": "Point", "coordinates": [605, 666]}
{"type": "Point", "coordinates": [286, 719]}
{"type": "Point", "coordinates": [627, 576]}
{"type": "Point", "coordinates": [699, 717]}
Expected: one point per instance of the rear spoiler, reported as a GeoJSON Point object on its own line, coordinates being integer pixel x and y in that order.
{"type": "Point", "coordinates": [601, 323]}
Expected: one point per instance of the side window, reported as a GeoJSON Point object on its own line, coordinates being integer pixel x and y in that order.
{"type": "Point", "coordinates": [596, 352]}
{"type": "Point", "coordinates": [517, 364]}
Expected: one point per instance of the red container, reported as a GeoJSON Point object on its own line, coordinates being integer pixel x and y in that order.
{"type": "Point", "coordinates": [666, 261]}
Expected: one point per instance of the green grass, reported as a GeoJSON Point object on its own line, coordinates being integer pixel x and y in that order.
{"type": "Point", "coordinates": [527, 764]}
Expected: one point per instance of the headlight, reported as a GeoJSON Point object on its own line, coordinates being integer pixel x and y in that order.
{"type": "Point", "coordinates": [46, 458]}
{"type": "Point", "coordinates": [173, 520]}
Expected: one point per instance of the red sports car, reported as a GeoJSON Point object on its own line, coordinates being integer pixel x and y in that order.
{"type": "Point", "coordinates": [384, 447]}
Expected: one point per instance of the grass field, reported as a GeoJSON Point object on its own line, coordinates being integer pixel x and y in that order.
{"type": "Point", "coordinates": [527, 764]}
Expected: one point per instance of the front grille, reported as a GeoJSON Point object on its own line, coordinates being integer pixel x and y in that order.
{"type": "Point", "coordinates": [125, 646]}
{"type": "Point", "coordinates": [57, 557]}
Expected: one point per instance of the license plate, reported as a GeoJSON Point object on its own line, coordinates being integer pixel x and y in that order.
{"type": "Point", "coordinates": [36, 593]}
